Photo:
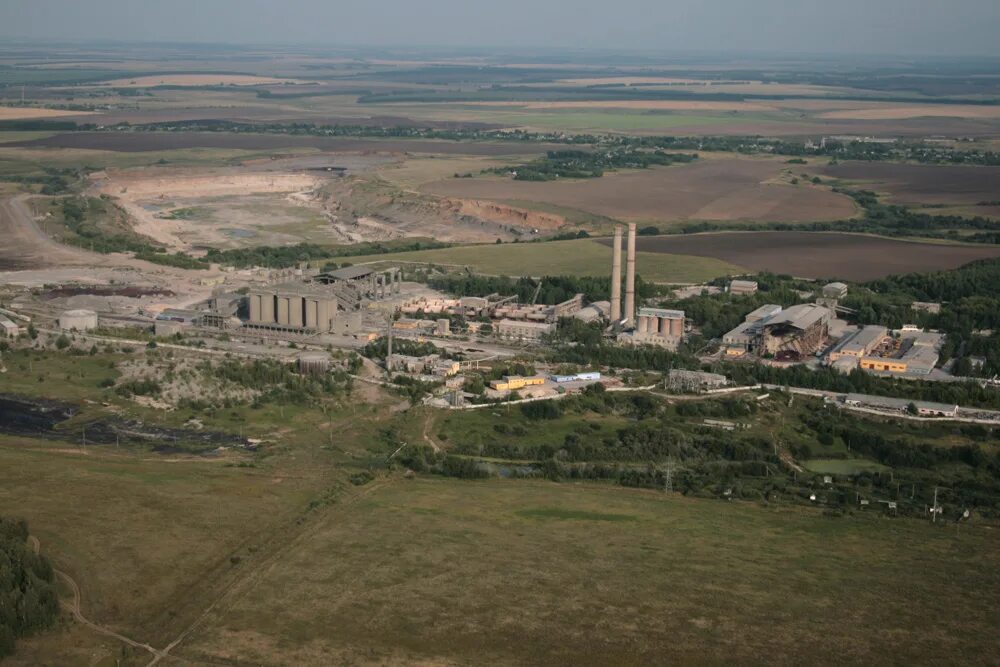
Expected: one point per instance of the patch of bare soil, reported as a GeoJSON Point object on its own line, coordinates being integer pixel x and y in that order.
{"type": "Point", "coordinates": [819, 255]}
{"type": "Point", "coordinates": [923, 183]}
{"type": "Point", "coordinates": [710, 189]}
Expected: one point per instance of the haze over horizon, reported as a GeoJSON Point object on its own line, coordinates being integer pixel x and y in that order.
{"type": "Point", "coordinates": [887, 27]}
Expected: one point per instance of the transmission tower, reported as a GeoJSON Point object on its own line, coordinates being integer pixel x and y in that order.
{"type": "Point", "coordinates": [668, 477]}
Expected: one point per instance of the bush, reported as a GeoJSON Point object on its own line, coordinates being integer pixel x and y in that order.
{"type": "Point", "coordinates": [62, 342]}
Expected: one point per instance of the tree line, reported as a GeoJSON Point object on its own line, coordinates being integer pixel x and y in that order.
{"type": "Point", "coordinates": [28, 600]}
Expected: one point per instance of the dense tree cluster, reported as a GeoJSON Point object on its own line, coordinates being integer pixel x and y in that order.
{"type": "Point", "coordinates": [913, 151]}
{"type": "Point", "coordinates": [590, 164]}
{"type": "Point", "coordinates": [81, 215]}
{"type": "Point", "coordinates": [277, 381]}
{"type": "Point", "coordinates": [28, 600]}
{"type": "Point", "coordinates": [278, 257]}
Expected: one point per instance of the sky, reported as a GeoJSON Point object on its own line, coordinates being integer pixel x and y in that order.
{"type": "Point", "coordinates": [905, 27]}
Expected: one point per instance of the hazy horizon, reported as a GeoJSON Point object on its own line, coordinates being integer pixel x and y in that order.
{"type": "Point", "coordinates": [806, 27]}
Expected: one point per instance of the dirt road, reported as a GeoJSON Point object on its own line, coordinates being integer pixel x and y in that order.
{"type": "Point", "coordinates": [73, 606]}
{"type": "Point", "coordinates": [26, 246]}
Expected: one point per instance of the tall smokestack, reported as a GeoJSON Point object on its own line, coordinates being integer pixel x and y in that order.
{"type": "Point", "coordinates": [630, 276]}
{"type": "Point", "coordinates": [616, 276]}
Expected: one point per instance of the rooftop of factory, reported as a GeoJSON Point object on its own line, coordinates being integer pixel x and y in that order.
{"type": "Point", "coordinates": [765, 311]}
{"type": "Point", "coordinates": [662, 312]}
{"type": "Point", "coordinates": [298, 289]}
{"type": "Point", "coordinates": [349, 273]}
{"type": "Point", "coordinates": [858, 343]}
{"type": "Point", "coordinates": [800, 317]}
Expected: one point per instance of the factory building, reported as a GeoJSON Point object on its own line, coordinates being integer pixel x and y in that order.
{"type": "Point", "coordinates": [741, 340]}
{"type": "Point", "coordinates": [858, 344]}
{"type": "Point", "coordinates": [926, 307]}
{"type": "Point", "coordinates": [79, 320]}
{"type": "Point", "coordinates": [657, 326]}
{"type": "Point", "coordinates": [695, 380]}
{"type": "Point", "coordinates": [743, 287]}
{"type": "Point", "coordinates": [515, 382]}
{"type": "Point", "coordinates": [785, 333]}
{"type": "Point", "coordinates": [763, 312]}
{"type": "Point", "coordinates": [539, 312]}
{"type": "Point", "coordinates": [834, 290]}
{"type": "Point", "coordinates": [924, 408]}
{"type": "Point", "coordinates": [172, 321]}
{"type": "Point", "coordinates": [795, 332]}
{"type": "Point", "coordinates": [591, 376]}
{"type": "Point", "coordinates": [8, 328]}
{"type": "Point", "coordinates": [524, 331]}
{"type": "Point", "coordinates": [909, 353]}
{"type": "Point", "coordinates": [306, 306]}
{"type": "Point", "coordinates": [367, 281]}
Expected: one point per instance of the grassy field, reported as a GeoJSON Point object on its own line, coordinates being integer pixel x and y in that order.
{"type": "Point", "coordinates": [7, 137]}
{"type": "Point", "coordinates": [583, 257]}
{"type": "Point", "coordinates": [842, 466]}
{"type": "Point", "coordinates": [447, 572]}
{"type": "Point", "coordinates": [280, 559]}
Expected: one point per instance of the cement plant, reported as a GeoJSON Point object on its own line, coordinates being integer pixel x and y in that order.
{"type": "Point", "coordinates": [317, 354]}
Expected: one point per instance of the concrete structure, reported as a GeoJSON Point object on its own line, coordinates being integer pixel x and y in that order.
{"type": "Point", "coordinates": [693, 380]}
{"type": "Point", "coordinates": [445, 368]}
{"type": "Point", "coordinates": [924, 408]}
{"type": "Point", "coordinates": [926, 307]}
{"type": "Point", "coordinates": [539, 312]}
{"type": "Point", "coordinates": [763, 312]}
{"type": "Point", "coordinates": [431, 364]}
{"type": "Point", "coordinates": [79, 320]}
{"type": "Point", "coordinates": [834, 290]}
{"type": "Point", "coordinates": [743, 287]}
{"type": "Point", "coordinates": [515, 382]}
{"type": "Point", "coordinates": [367, 281]}
{"type": "Point", "coordinates": [657, 326]}
{"type": "Point", "coordinates": [908, 352]}
{"type": "Point", "coordinates": [313, 363]}
{"type": "Point", "coordinates": [739, 341]}
{"type": "Point", "coordinates": [795, 332]}
{"type": "Point", "coordinates": [629, 314]}
{"type": "Point", "coordinates": [316, 307]}
{"type": "Point", "coordinates": [858, 344]}
{"type": "Point", "coordinates": [596, 311]}
{"type": "Point", "coordinates": [576, 377]}
{"type": "Point", "coordinates": [8, 328]}
{"type": "Point", "coordinates": [412, 324]}
{"type": "Point", "coordinates": [523, 331]}
{"type": "Point", "coordinates": [616, 276]}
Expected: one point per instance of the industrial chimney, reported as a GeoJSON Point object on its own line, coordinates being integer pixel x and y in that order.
{"type": "Point", "coordinates": [630, 276]}
{"type": "Point", "coordinates": [616, 276]}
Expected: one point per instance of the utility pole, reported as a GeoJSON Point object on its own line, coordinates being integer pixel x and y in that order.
{"type": "Point", "coordinates": [934, 509]}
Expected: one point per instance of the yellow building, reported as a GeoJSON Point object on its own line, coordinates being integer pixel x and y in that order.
{"type": "Point", "coordinates": [883, 364]}
{"type": "Point", "coordinates": [514, 382]}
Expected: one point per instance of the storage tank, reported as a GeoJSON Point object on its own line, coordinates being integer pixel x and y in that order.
{"type": "Point", "coordinates": [79, 320]}
{"type": "Point", "coordinates": [313, 363]}
{"type": "Point", "coordinates": [677, 328]}
{"type": "Point", "coordinates": [665, 326]}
